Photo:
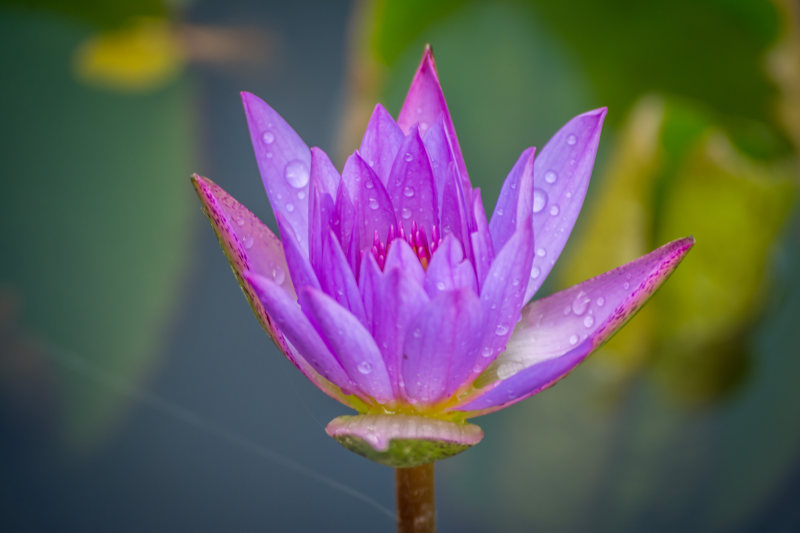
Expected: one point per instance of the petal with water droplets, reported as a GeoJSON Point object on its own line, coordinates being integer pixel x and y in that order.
{"type": "Point", "coordinates": [381, 142]}
{"type": "Point", "coordinates": [350, 342]}
{"type": "Point", "coordinates": [558, 332]}
{"type": "Point", "coordinates": [411, 186]}
{"type": "Point", "coordinates": [561, 176]}
{"type": "Point", "coordinates": [515, 200]}
{"type": "Point", "coordinates": [283, 160]}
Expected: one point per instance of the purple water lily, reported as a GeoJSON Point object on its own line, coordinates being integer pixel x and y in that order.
{"type": "Point", "coordinates": [392, 292]}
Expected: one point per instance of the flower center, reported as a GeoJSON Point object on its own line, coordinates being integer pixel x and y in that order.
{"type": "Point", "coordinates": [416, 238]}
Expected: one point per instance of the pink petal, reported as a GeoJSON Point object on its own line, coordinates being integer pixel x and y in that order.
{"type": "Point", "coordinates": [320, 211]}
{"type": "Point", "coordinates": [283, 159]}
{"type": "Point", "coordinates": [381, 141]}
{"type": "Point", "coordinates": [299, 265]}
{"type": "Point", "coordinates": [448, 270]}
{"type": "Point", "coordinates": [425, 103]}
{"type": "Point", "coordinates": [558, 332]}
{"type": "Point", "coordinates": [400, 255]}
{"type": "Point", "coordinates": [514, 203]}
{"type": "Point", "coordinates": [561, 176]}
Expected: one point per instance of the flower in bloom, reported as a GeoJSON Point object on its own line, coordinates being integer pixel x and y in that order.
{"type": "Point", "coordinates": [392, 291]}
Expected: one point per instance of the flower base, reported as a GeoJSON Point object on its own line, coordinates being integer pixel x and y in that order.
{"type": "Point", "coordinates": [403, 441]}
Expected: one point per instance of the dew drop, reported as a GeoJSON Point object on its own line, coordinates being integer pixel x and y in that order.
{"type": "Point", "coordinates": [550, 176]}
{"type": "Point", "coordinates": [515, 282]}
{"type": "Point", "coordinates": [601, 302]}
{"type": "Point", "coordinates": [290, 207]}
{"type": "Point", "coordinates": [571, 140]}
{"type": "Point", "coordinates": [240, 221]}
{"type": "Point", "coordinates": [573, 339]}
{"type": "Point", "coordinates": [278, 275]}
{"type": "Point", "coordinates": [487, 351]}
{"type": "Point", "coordinates": [588, 321]}
{"type": "Point", "coordinates": [268, 137]}
{"type": "Point", "coordinates": [440, 285]}
{"type": "Point", "coordinates": [365, 367]}
{"type": "Point", "coordinates": [539, 200]}
{"type": "Point", "coordinates": [626, 285]}
{"type": "Point", "coordinates": [501, 329]}
{"type": "Point", "coordinates": [405, 213]}
{"type": "Point", "coordinates": [408, 191]}
{"type": "Point", "coordinates": [247, 242]}
{"type": "Point", "coordinates": [554, 210]}
{"type": "Point", "coordinates": [408, 157]}
{"type": "Point", "coordinates": [296, 173]}
{"type": "Point", "coordinates": [369, 184]}
{"type": "Point", "coordinates": [535, 272]}
{"type": "Point", "coordinates": [541, 252]}
{"type": "Point", "coordinates": [269, 155]}
{"type": "Point", "coordinates": [373, 204]}
{"type": "Point", "coordinates": [301, 195]}
{"type": "Point", "coordinates": [580, 303]}
{"type": "Point", "coordinates": [417, 333]}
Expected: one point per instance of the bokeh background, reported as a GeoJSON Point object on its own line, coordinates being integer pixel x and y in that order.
{"type": "Point", "coordinates": [137, 391]}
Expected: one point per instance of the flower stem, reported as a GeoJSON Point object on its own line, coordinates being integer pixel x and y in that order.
{"type": "Point", "coordinates": [416, 509]}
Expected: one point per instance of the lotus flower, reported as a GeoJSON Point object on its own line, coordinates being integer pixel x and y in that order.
{"type": "Point", "coordinates": [392, 292]}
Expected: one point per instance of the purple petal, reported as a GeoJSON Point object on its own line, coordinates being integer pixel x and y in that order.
{"type": "Point", "coordinates": [514, 203]}
{"type": "Point", "coordinates": [411, 186]}
{"type": "Point", "coordinates": [297, 329]}
{"type": "Point", "coordinates": [350, 343]}
{"type": "Point", "coordinates": [448, 270]}
{"type": "Point", "coordinates": [382, 139]}
{"type": "Point", "coordinates": [561, 176]}
{"type": "Point", "coordinates": [374, 212]}
{"type": "Point", "coordinates": [337, 280]}
{"type": "Point", "coordinates": [299, 265]}
{"type": "Point", "coordinates": [320, 215]}
{"type": "Point", "coordinates": [400, 255]}
{"type": "Point", "coordinates": [558, 332]}
{"type": "Point", "coordinates": [283, 159]}
{"type": "Point", "coordinates": [481, 239]}
{"type": "Point", "coordinates": [503, 291]}
{"type": "Point", "coordinates": [442, 333]}
{"type": "Point", "coordinates": [323, 170]}
{"type": "Point", "coordinates": [396, 300]}
{"type": "Point", "coordinates": [425, 103]}
{"type": "Point", "coordinates": [344, 221]}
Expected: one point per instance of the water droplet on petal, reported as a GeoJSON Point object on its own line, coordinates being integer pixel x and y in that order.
{"type": "Point", "coordinates": [541, 252]}
{"type": "Point", "coordinates": [535, 272]}
{"type": "Point", "coordinates": [269, 155]}
{"type": "Point", "coordinates": [301, 195]}
{"type": "Point", "coordinates": [571, 140]}
{"type": "Point", "coordinates": [580, 303]}
{"type": "Point", "coordinates": [601, 302]}
{"type": "Point", "coordinates": [408, 157]}
{"type": "Point", "coordinates": [296, 173]}
{"type": "Point", "coordinates": [290, 207]}
{"type": "Point", "coordinates": [588, 321]}
{"type": "Point", "coordinates": [573, 339]}
{"type": "Point", "coordinates": [554, 210]}
{"type": "Point", "coordinates": [626, 285]}
{"type": "Point", "coordinates": [440, 285]}
{"type": "Point", "coordinates": [501, 329]}
{"type": "Point", "coordinates": [373, 203]}
{"type": "Point", "coordinates": [268, 137]}
{"type": "Point", "coordinates": [539, 200]}
{"type": "Point", "coordinates": [417, 333]}
{"type": "Point", "coordinates": [278, 275]}
{"type": "Point", "coordinates": [405, 213]}
{"type": "Point", "coordinates": [408, 192]}
{"type": "Point", "coordinates": [550, 176]}
{"type": "Point", "coordinates": [487, 351]}
{"type": "Point", "coordinates": [247, 242]}
{"type": "Point", "coordinates": [365, 367]}
{"type": "Point", "coordinates": [369, 184]}
{"type": "Point", "coordinates": [240, 221]}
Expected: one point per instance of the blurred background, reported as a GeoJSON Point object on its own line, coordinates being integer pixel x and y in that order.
{"type": "Point", "coordinates": [138, 392]}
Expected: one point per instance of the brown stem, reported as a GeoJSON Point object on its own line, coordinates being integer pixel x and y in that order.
{"type": "Point", "coordinates": [416, 509]}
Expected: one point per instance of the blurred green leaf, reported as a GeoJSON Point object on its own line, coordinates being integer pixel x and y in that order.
{"type": "Point", "coordinates": [98, 205]}
{"type": "Point", "coordinates": [97, 12]}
